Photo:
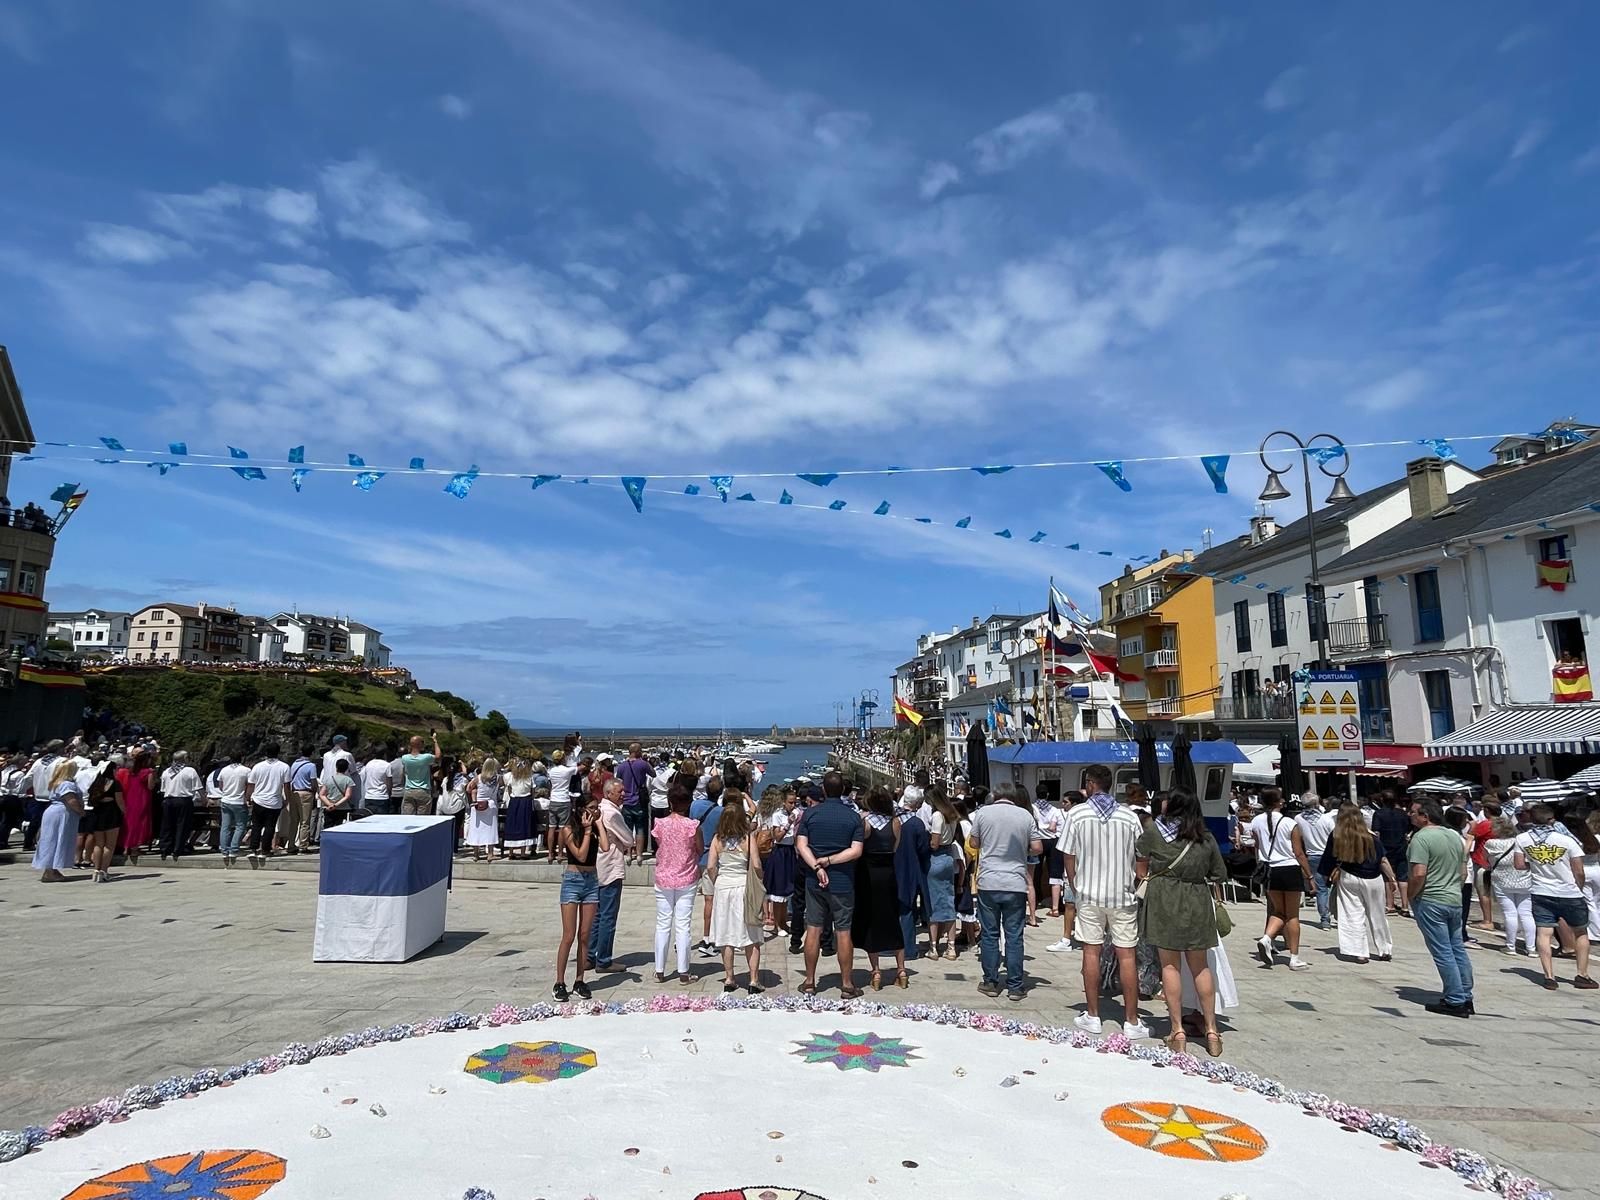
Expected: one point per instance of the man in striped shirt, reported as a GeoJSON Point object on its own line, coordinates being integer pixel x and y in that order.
{"type": "Point", "coordinates": [1097, 841]}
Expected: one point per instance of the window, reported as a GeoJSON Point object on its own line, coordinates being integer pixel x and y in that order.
{"type": "Point", "coordinates": [1566, 639]}
{"type": "Point", "coordinates": [5, 574]}
{"type": "Point", "coordinates": [1430, 613]}
{"type": "Point", "coordinates": [1436, 691]}
{"type": "Point", "coordinates": [1246, 684]}
{"type": "Point", "coordinates": [1553, 549]}
{"type": "Point", "coordinates": [28, 579]}
{"type": "Point", "coordinates": [157, 613]}
{"type": "Point", "coordinates": [1130, 647]}
{"type": "Point", "coordinates": [1282, 673]}
{"type": "Point", "coordinates": [1316, 611]}
{"type": "Point", "coordinates": [1277, 619]}
{"type": "Point", "coordinates": [1372, 687]}
{"type": "Point", "coordinates": [1241, 626]}
{"type": "Point", "coordinates": [169, 635]}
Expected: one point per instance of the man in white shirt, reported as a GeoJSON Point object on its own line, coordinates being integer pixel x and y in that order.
{"type": "Point", "coordinates": [1554, 858]}
{"type": "Point", "coordinates": [269, 783]}
{"type": "Point", "coordinates": [1316, 827]}
{"type": "Point", "coordinates": [15, 786]}
{"type": "Point", "coordinates": [233, 808]}
{"type": "Point", "coordinates": [377, 784]}
{"type": "Point", "coordinates": [1097, 847]}
{"type": "Point", "coordinates": [340, 749]}
{"type": "Point", "coordinates": [180, 784]}
{"type": "Point", "coordinates": [38, 793]}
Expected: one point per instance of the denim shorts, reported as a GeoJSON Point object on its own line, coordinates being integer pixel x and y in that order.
{"type": "Point", "coordinates": [1548, 910]}
{"type": "Point", "coordinates": [580, 887]}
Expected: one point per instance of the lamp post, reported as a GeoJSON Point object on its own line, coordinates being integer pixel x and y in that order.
{"type": "Point", "coordinates": [1326, 450]}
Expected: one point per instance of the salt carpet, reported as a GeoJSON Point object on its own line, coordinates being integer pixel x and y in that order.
{"type": "Point", "coordinates": [782, 1099]}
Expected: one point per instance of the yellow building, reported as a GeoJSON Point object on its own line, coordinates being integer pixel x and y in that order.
{"type": "Point", "coordinates": [1165, 624]}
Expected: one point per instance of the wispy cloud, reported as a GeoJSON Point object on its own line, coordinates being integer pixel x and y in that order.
{"type": "Point", "coordinates": [371, 205]}
{"type": "Point", "coordinates": [936, 177]}
{"type": "Point", "coordinates": [127, 245]}
{"type": "Point", "coordinates": [1288, 90]}
{"type": "Point", "coordinates": [455, 106]}
{"type": "Point", "coordinates": [1075, 126]}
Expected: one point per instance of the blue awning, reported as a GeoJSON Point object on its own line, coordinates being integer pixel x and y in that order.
{"type": "Point", "coordinates": [1203, 754]}
{"type": "Point", "coordinates": [1524, 729]}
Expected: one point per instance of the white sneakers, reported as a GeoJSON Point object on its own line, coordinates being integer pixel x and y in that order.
{"type": "Point", "coordinates": [1296, 963]}
{"type": "Point", "coordinates": [1264, 951]}
{"type": "Point", "coordinates": [1087, 1023]}
{"type": "Point", "coordinates": [1060, 947]}
{"type": "Point", "coordinates": [1136, 1030]}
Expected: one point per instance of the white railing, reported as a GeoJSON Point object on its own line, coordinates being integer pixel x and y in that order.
{"type": "Point", "coordinates": [1161, 658]}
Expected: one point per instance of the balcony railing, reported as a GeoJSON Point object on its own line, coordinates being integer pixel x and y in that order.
{"type": "Point", "coordinates": [1358, 634]}
{"type": "Point", "coordinates": [1255, 708]}
{"type": "Point", "coordinates": [1162, 660]}
{"type": "Point", "coordinates": [1166, 706]}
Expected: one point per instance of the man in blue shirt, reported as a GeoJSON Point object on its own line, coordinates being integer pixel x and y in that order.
{"type": "Point", "coordinates": [709, 813]}
{"type": "Point", "coordinates": [828, 839]}
{"type": "Point", "coordinates": [299, 827]}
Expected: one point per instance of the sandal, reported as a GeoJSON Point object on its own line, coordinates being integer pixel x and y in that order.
{"type": "Point", "coordinates": [686, 979]}
{"type": "Point", "coordinates": [950, 954]}
{"type": "Point", "coordinates": [808, 989]}
{"type": "Point", "coordinates": [660, 977]}
{"type": "Point", "coordinates": [1177, 1042]}
{"type": "Point", "coordinates": [1213, 1043]}
{"type": "Point", "coordinates": [730, 986]}
{"type": "Point", "coordinates": [877, 982]}
{"type": "Point", "coordinates": [755, 989]}
{"type": "Point", "coordinates": [850, 993]}
{"type": "Point", "coordinates": [900, 980]}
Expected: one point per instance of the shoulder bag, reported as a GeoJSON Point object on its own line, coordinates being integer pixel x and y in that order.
{"type": "Point", "coordinates": [1138, 892]}
{"type": "Point", "coordinates": [755, 890]}
{"type": "Point", "coordinates": [1263, 872]}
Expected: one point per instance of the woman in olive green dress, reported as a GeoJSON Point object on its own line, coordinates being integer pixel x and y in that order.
{"type": "Point", "coordinates": [1180, 858]}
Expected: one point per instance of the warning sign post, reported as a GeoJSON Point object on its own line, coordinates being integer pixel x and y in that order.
{"type": "Point", "coordinates": [1329, 711]}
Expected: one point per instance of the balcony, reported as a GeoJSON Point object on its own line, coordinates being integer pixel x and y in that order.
{"type": "Point", "coordinates": [1166, 706]}
{"type": "Point", "coordinates": [1161, 660]}
{"type": "Point", "coordinates": [1255, 708]}
{"type": "Point", "coordinates": [928, 691]}
{"type": "Point", "coordinates": [1358, 635]}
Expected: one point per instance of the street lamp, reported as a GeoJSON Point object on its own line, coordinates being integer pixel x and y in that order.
{"type": "Point", "coordinates": [1326, 450]}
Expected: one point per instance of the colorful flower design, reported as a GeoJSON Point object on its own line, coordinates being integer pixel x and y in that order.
{"type": "Point", "coordinates": [203, 1175]}
{"type": "Point", "coordinates": [759, 1193]}
{"type": "Point", "coordinates": [1184, 1131]}
{"type": "Point", "coordinates": [531, 1062]}
{"type": "Point", "coordinates": [855, 1051]}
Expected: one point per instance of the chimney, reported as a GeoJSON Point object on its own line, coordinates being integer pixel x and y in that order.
{"type": "Point", "coordinates": [1430, 495]}
{"type": "Point", "coordinates": [201, 608]}
{"type": "Point", "coordinates": [977, 622]}
{"type": "Point", "coordinates": [1263, 526]}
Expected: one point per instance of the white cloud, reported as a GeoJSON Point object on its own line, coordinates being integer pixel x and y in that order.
{"type": "Point", "coordinates": [1201, 40]}
{"type": "Point", "coordinates": [1529, 140]}
{"type": "Point", "coordinates": [936, 177]}
{"type": "Point", "coordinates": [125, 244]}
{"type": "Point", "coordinates": [1075, 124]}
{"type": "Point", "coordinates": [298, 209]}
{"type": "Point", "coordinates": [371, 205]}
{"type": "Point", "coordinates": [1286, 91]}
{"type": "Point", "coordinates": [455, 106]}
{"type": "Point", "coordinates": [1400, 390]}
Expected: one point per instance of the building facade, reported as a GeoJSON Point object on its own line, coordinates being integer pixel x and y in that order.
{"type": "Point", "coordinates": [174, 633]}
{"type": "Point", "coordinates": [1468, 608]}
{"type": "Point", "coordinates": [330, 639]}
{"type": "Point", "coordinates": [1161, 615]}
{"type": "Point", "coordinates": [27, 543]}
{"type": "Point", "coordinates": [93, 633]}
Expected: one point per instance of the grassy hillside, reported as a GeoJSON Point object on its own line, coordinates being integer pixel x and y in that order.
{"type": "Point", "coordinates": [213, 713]}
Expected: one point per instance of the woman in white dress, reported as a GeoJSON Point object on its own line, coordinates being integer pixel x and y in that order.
{"type": "Point", "coordinates": [483, 814]}
{"type": "Point", "coordinates": [732, 851]}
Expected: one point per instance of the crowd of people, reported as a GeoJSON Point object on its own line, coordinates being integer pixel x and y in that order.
{"type": "Point", "coordinates": [921, 870]}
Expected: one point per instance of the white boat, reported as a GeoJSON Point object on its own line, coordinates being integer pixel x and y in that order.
{"type": "Point", "coordinates": [752, 746]}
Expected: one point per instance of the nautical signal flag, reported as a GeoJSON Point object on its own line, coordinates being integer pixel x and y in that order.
{"type": "Point", "coordinates": [904, 711]}
{"type": "Point", "coordinates": [1057, 646]}
{"type": "Point", "coordinates": [1104, 664]}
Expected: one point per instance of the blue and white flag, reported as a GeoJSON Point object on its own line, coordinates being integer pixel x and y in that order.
{"type": "Point", "coordinates": [1114, 473]}
{"type": "Point", "coordinates": [723, 484]}
{"type": "Point", "coordinates": [634, 486]}
{"type": "Point", "coordinates": [461, 483]}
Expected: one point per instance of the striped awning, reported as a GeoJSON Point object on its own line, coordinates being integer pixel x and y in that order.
{"type": "Point", "coordinates": [1543, 791]}
{"type": "Point", "coordinates": [1525, 729]}
{"type": "Point", "coordinates": [1587, 780]}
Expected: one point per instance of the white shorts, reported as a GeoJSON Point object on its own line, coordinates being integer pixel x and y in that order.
{"type": "Point", "coordinates": [1093, 920]}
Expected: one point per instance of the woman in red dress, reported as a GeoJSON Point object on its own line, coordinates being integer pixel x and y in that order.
{"type": "Point", "coordinates": [137, 806]}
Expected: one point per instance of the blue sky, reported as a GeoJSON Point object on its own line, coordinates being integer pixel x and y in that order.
{"type": "Point", "coordinates": [599, 238]}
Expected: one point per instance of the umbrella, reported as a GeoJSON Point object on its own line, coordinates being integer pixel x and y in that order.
{"type": "Point", "coordinates": [1587, 780]}
{"type": "Point", "coordinates": [1544, 791]}
{"type": "Point", "coordinates": [1290, 774]}
{"type": "Point", "coordinates": [977, 758]}
{"type": "Point", "coordinates": [1183, 764]}
{"type": "Point", "coordinates": [1149, 764]}
{"type": "Point", "coordinates": [1442, 785]}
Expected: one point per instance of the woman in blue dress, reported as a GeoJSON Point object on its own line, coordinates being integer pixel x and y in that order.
{"type": "Point", "coordinates": [58, 829]}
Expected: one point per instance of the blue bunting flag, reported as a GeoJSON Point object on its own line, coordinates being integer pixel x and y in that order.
{"type": "Point", "coordinates": [540, 480]}
{"type": "Point", "coordinates": [1113, 472]}
{"type": "Point", "coordinates": [298, 477]}
{"type": "Point", "coordinates": [1323, 455]}
{"type": "Point", "coordinates": [723, 484]}
{"type": "Point", "coordinates": [964, 522]}
{"type": "Point", "coordinates": [235, 452]}
{"type": "Point", "coordinates": [365, 479]}
{"type": "Point", "coordinates": [249, 472]}
{"type": "Point", "coordinates": [1440, 447]}
{"type": "Point", "coordinates": [297, 454]}
{"type": "Point", "coordinates": [820, 478]}
{"type": "Point", "coordinates": [356, 460]}
{"type": "Point", "coordinates": [924, 520]}
{"type": "Point", "coordinates": [180, 448]}
{"type": "Point", "coordinates": [461, 483]}
{"type": "Point", "coordinates": [692, 490]}
{"type": "Point", "coordinates": [634, 486]}
{"type": "Point", "coordinates": [785, 498]}
{"type": "Point", "coordinates": [416, 464]}
{"type": "Point", "coordinates": [111, 443]}
{"type": "Point", "coordinates": [1075, 546]}
{"type": "Point", "coordinates": [1240, 578]}
{"type": "Point", "coordinates": [1038, 537]}
{"type": "Point", "coordinates": [882, 510]}
{"type": "Point", "coordinates": [162, 467]}
{"type": "Point", "coordinates": [64, 493]}
{"type": "Point", "coordinates": [1005, 533]}
{"type": "Point", "coordinates": [991, 470]}
{"type": "Point", "coordinates": [836, 506]}
{"type": "Point", "coordinates": [748, 496]}
{"type": "Point", "coordinates": [1216, 466]}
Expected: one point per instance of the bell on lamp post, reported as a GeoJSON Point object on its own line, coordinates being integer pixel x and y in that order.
{"type": "Point", "coordinates": [1275, 489]}
{"type": "Point", "coordinates": [1341, 492]}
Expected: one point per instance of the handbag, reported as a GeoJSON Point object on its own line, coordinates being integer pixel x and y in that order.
{"type": "Point", "coordinates": [451, 803]}
{"type": "Point", "coordinates": [1224, 920]}
{"type": "Point", "coordinates": [1138, 892]}
{"type": "Point", "coordinates": [1263, 873]}
{"type": "Point", "coordinates": [755, 894]}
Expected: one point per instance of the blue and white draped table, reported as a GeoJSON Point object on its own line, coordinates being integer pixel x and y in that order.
{"type": "Point", "coordinates": [383, 888]}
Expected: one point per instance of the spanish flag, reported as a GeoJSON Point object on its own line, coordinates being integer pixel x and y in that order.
{"type": "Point", "coordinates": [54, 677]}
{"type": "Point", "coordinates": [19, 600]}
{"type": "Point", "coordinates": [905, 711]}
{"type": "Point", "coordinates": [1555, 574]}
{"type": "Point", "coordinates": [1569, 683]}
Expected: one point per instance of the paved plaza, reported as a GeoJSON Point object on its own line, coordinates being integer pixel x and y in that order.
{"type": "Point", "coordinates": [171, 970]}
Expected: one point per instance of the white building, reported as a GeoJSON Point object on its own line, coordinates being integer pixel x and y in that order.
{"type": "Point", "coordinates": [1463, 628]}
{"type": "Point", "coordinates": [330, 639]}
{"type": "Point", "coordinates": [1263, 636]}
{"type": "Point", "coordinates": [93, 633]}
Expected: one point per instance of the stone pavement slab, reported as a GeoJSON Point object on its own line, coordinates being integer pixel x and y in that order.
{"type": "Point", "coordinates": [104, 986]}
